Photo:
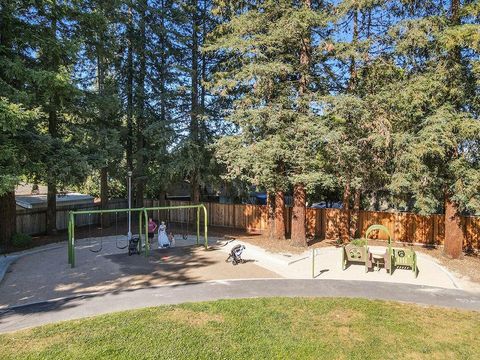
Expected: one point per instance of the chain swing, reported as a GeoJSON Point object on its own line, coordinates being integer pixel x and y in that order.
{"type": "Point", "coordinates": [116, 234]}
{"type": "Point", "coordinates": [186, 226]}
{"type": "Point", "coordinates": [90, 236]}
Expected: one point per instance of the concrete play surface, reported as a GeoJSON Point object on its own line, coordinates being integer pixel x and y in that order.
{"type": "Point", "coordinates": [45, 275]}
{"type": "Point", "coordinates": [328, 266]}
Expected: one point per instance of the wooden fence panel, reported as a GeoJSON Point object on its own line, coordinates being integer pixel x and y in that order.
{"type": "Point", "coordinates": [311, 222]}
{"type": "Point", "coordinates": [471, 229]}
{"type": "Point", "coordinates": [326, 223]}
{"type": "Point", "coordinates": [332, 224]}
{"type": "Point", "coordinates": [439, 229]}
{"type": "Point", "coordinates": [33, 222]}
{"type": "Point", "coordinates": [256, 217]}
{"type": "Point", "coordinates": [321, 223]}
{"type": "Point", "coordinates": [368, 218]}
{"type": "Point", "coordinates": [239, 221]}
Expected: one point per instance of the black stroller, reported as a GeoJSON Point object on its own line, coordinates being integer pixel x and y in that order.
{"type": "Point", "coordinates": [133, 246]}
{"type": "Point", "coordinates": [236, 254]}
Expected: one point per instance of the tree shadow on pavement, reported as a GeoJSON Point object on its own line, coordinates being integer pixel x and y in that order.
{"type": "Point", "coordinates": [35, 279]}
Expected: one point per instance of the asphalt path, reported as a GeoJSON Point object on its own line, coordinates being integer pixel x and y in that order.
{"type": "Point", "coordinates": [76, 307]}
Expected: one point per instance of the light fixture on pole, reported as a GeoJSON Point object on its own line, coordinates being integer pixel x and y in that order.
{"type": "Point", "coordinates": [129, 235]}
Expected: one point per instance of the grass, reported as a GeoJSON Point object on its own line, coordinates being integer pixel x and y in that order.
{"type": "Point", "coordinates": [273, 328]}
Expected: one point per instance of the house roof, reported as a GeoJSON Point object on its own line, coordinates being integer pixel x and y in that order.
{"type": "Point", "coordinates": [31, 201]}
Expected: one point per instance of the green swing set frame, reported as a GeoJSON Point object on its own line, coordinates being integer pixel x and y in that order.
{"type": "Point", "coordinates": [142, 227]}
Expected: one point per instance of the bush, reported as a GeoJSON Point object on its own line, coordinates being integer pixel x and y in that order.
{"type": "Point", "coordinates": [21, 240]}
{"type": "Point", "coordinates": [358, 242]}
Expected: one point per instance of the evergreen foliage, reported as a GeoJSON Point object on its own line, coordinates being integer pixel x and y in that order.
{"type": "Point", "coordinates": [359, 98]}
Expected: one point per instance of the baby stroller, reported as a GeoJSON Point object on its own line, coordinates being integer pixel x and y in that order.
{"type": "Point", "coordinates": [236, 254]}
{"type": "Point", "coordinates": [133, 247]}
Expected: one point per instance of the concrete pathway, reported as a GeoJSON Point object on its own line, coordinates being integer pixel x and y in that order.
{"type": "Point", "coordinates": [328, 266]}
{"type": "Point", "coordinates": [27, 316]}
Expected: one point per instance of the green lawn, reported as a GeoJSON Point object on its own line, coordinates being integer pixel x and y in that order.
{"type": "Point", "coordinates": [280, 328]}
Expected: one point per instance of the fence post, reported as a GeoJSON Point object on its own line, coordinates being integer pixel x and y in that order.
{"type": "Point", "coordinates": [198, 225]}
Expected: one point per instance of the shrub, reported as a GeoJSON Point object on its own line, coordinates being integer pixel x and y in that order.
{"type": "Point", "coordinates": [21, 240]}
{"type": "Point", "coordinates": [358, 242]}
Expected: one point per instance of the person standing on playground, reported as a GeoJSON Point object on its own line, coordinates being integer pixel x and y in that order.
{"type": "Point", "coordinates": [152, 226]}
{"type": "Point", "coordinates": [163, 241]}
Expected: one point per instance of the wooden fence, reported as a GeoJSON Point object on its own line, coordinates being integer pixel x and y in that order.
{"type": "Point", "coordinates": [326, 223]}
{"type": "Point", "coordinates": [33, 222]}
{"type": "Point", "coordinates": [320, 223]}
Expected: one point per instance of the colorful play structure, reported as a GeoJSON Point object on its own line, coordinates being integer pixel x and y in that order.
{"type": "Point", "coordinates": [140, 243]}
{"type": "Point", "coordinates": [358, 252]}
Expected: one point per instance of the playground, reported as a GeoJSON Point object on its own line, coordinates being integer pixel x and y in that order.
{"type": "Point", "coordinates": [103, 265]}
{"type": "Point", "coordinates": [96, 264]}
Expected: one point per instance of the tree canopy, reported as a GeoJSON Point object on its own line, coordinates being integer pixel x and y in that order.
{"type": "Point", "coordinates": [369, 100]}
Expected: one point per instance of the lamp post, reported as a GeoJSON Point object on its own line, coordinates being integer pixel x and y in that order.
{"type": "Point", "coordinates": [129, 235]}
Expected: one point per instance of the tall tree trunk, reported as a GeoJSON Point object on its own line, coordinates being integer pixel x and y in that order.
{"type": "Point", "coordinates": [271, 215]}
{"type": "Point", "coordinates": [140, 168]}
{"type": "Point", "coordinates": [8, 219]}
{"type": "Point", "coordinates": [345, 213]}
{"type": "Point", "coordinates": [129, 85]}
{"type": "Point", "coordinates": [51, 207]}
{"type": "Point", "coordinates": [204, 59]}
{"type": "Point", "coordinates": [355, 216]}
{"type": "Point", "coordinates": [195, 188]}
{"type": "Point", "coordinates": [299, 236]}
{"type": "Point", "coordinates": [194, 126]}
{"type": "Point", "coordinates": [454, 11]}
{"type": "Point", "coordinates": [105, 218]}
{"type": "Point", "coordinates": [51, 223]}
{"type": "Point", "coordinates": [162, 198]}
{"type": "Point", "coordinates": [353, 66]}
{"type": "Point", "coordinates": [453, 245]}
{"type": "Point", "coordinates": [280, 215]}
{"type": "Point", "coordinates": [163, 62]}
{"type": "Point", "coordinates": [345, 231]}
{"type": "Point", "coordinates": [7, 200]}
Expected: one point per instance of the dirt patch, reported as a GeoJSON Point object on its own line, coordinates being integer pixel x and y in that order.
{"type": "Point", "coordinates": [278, 246]}
{"type": "Point", "coordinates": [193, 318]}
{"type": "Point", "coordinates": [344, 316]}
{"type": "Point", "coordinates": [37, 341]}
{"type": "Point", "coordinates": [466, 268]}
